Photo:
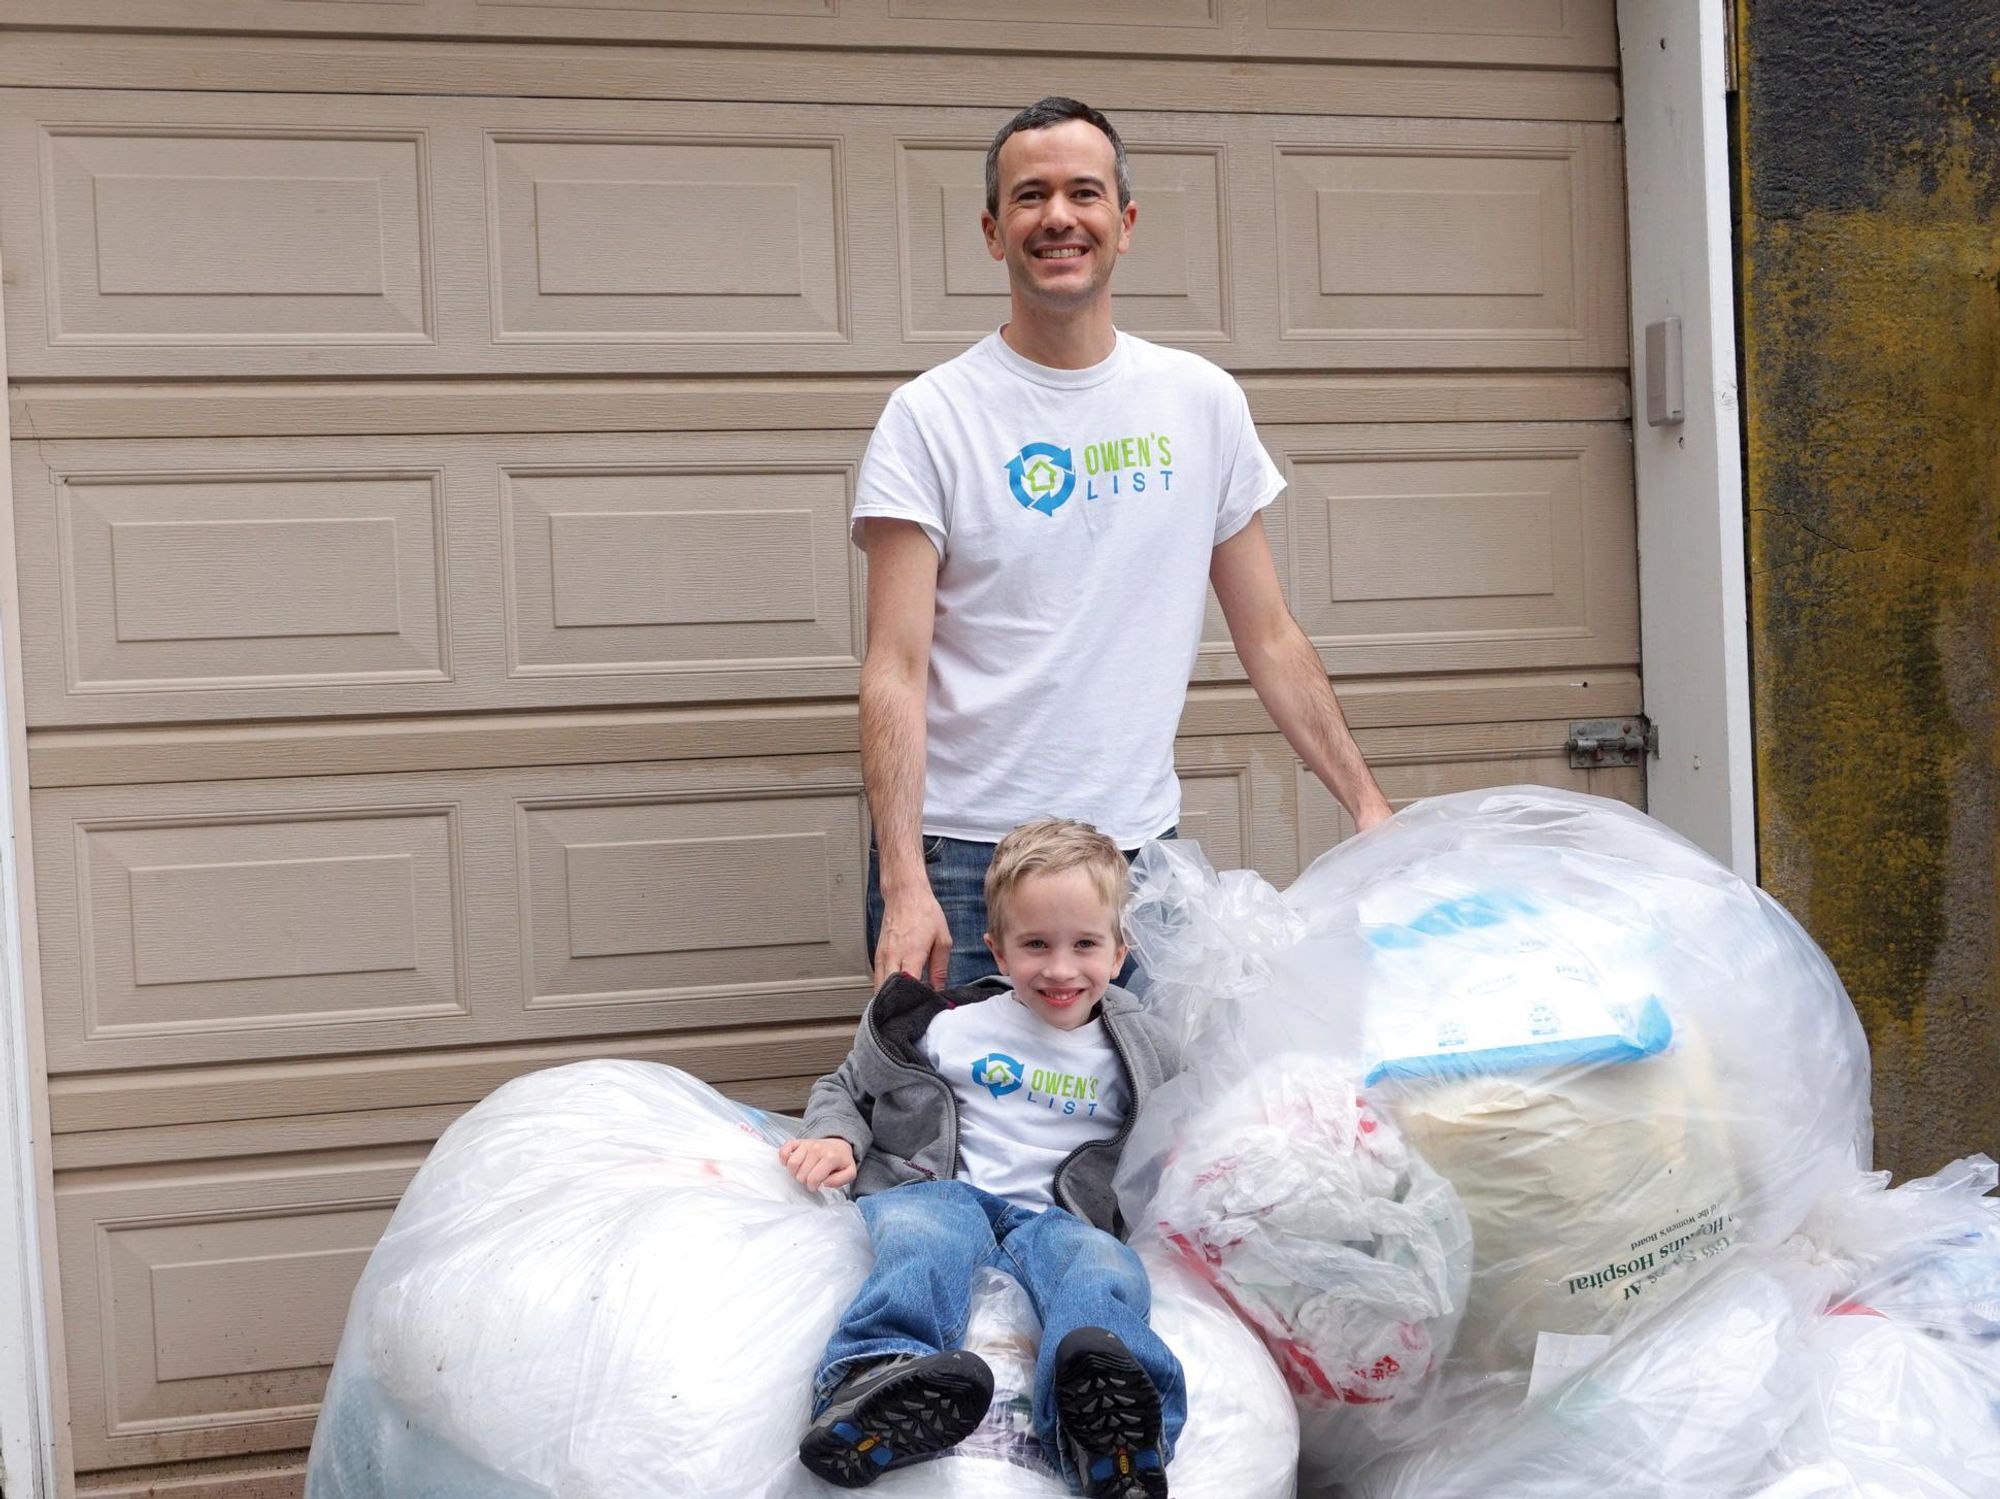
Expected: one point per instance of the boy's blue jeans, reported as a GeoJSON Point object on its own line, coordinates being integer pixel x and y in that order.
{"type": "Point", "coordinates": [930, 1238]}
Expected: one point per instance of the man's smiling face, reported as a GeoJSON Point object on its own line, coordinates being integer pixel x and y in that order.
{"type": "Point", "coordinates": [1060, 229]}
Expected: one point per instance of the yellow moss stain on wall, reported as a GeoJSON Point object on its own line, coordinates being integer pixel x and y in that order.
{"type": "Point", "coordinates": [1872, 399]}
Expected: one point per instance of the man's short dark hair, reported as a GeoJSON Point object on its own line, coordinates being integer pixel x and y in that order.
{"type": "Point", "coordinates": [1054, 110]}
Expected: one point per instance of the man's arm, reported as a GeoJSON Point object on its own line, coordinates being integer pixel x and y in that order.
{"type": "Point", "coordinates": [1285, 670]}
{"type": "Point", "coordinates": [895, 675]}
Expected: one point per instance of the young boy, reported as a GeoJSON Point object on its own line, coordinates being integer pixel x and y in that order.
{"type": "Point", "coordinates": [982, 1126]}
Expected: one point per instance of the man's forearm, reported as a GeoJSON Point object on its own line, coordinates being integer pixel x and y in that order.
{"type": "Point", "coordinates": [1293, 686]}
{"type": "Point", "coordinates": [892, 773]}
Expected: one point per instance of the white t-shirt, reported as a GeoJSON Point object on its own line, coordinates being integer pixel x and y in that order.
{"type": "Point", "coordinates": [1074, 512]}
{"type": "Point", "coordinates": [1028, 1094]}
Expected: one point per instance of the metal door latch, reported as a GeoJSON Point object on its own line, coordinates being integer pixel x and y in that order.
{"type": "Point", "coordinates": [1601, 742]}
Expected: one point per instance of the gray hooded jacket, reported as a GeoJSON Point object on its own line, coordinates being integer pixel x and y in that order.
{"type": "Point", "coordinates": [901, 1116]}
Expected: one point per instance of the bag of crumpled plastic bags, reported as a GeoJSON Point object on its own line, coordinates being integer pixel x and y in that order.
{"type": "Point", "coordinates": [1580, 1057]}
{"type": "Point", "coordinates": [603, 1285]}
{"type": "Point", "coordinates": [1854, 1361]}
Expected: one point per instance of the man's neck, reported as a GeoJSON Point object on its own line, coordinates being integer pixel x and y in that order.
{"type": "Point", "coordinates": [1070, 342]}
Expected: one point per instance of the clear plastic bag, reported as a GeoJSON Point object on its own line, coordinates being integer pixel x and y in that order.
{"type": "Point", "coordinates": [1906, 1366]}
{"type": "Point", "coordinates": [603, 1285]}
{"type": "Point", "coordinates": [1854, 1364]}
{"type": "Point", "coordinates": [1685, 1404]}
{"type": "Point", "coordinates": [1616, 1054]}
{"type": "Point", "coordinates": [1345, 1253]}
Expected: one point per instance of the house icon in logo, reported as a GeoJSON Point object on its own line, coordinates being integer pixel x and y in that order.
{"type": "Point", "coordinates": [998, 1073]}
{"type": "Point", "coordinates": [1042, 477]}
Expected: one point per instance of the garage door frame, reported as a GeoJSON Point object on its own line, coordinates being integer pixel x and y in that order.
{"type": "Point", "coordinates": [28, 1424]}
{"type": "Point", "coordinates": [1693, 622]}
{"type": "Point", "coordinates": [1694, 641]}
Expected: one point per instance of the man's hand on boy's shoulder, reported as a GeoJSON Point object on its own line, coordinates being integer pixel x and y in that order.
{"type": "Point", "coordinates": [819, 1163]}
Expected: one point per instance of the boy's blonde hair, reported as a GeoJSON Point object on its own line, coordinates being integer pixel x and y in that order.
{"type": "Point", "coordinates": [1050, 845]}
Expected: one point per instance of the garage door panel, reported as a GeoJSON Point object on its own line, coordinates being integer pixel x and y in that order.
{"type": "Point", "coordinates": [1488, 250]}
{"type": "Point", "coordinates": [174, 582]}
{"type": "Point", "coordinates": [579, 237]}
{"type": "Point", "coordinates": [1450, 548]}
{"type": "Point", "coordinates": [216, 928]}
{"type": "Point", "coordinates": [210, 926]}
{"type": "Point", "coordinates": [680, 568]}
{"type": "Point", "coordinates": [315, 577]}
{"type": "Point", "coordinates": [190, 924]}
{"type": "Point", "coordinates": [694, 240]}
{"type": "Point", "coordinates": [722, 909]}
{"type": "Point", "coordinates": [202, 1308]}
{"type": "Point", "coordinates": [1545, 33]}
{"type": "Point", "coordinates": [161, 234]}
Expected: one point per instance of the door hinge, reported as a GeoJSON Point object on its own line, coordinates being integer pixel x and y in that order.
{"type": "Point", "coordinates": [1601, 742]}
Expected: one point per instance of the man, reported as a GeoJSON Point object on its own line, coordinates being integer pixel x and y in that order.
{"type": "Point", "coordinates": [1040, 516]}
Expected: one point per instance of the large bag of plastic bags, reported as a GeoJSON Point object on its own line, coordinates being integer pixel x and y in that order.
{"type": "Point", "coordinates": [1617, 1056]}
{"type": "Point", "coordinates": [1333, 1240]}
{"type": "Point", "coordinates": [1844, 1362]}
{"type": "Point", "coordinates": [1686, 1405]}
{"type": "Point", "coordinates": [1906, 1366]}
{"type": "Point", "coordinates": [603, 1285]}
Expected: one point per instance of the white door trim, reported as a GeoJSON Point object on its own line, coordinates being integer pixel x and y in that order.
{"type": "Point", "coordinates": [27, 1403]}
{"type": "Point", "coordinates": [1694, 640]}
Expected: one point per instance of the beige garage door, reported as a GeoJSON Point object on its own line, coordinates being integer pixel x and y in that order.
{"type": "Point", "coordinates": [433, 423]}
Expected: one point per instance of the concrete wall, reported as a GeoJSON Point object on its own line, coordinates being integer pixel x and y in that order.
{"type": "Point", "coordinates": [1870, 193]}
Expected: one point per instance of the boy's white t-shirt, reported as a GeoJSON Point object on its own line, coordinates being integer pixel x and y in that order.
{"type": "Point", "coordinates": [1028, 1093]}
{"type": "Point", "coordinates": [1074, 513]}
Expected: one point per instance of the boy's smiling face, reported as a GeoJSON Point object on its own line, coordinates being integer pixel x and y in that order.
{"type": "Point", "coordinates": [1059, 945]}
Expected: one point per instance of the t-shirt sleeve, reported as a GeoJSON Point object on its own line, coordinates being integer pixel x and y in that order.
{"type": "Point", "coordinates": [1252, 480]}
{"type": "Point", "coordinates": [898, 479]}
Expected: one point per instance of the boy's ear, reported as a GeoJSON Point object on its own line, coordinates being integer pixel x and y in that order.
{"type": "Point", "coordinates": [994, 948]}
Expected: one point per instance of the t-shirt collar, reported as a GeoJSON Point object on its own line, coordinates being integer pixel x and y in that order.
{"type": "Point", "coordinates": [1024, 1020]}
{"type": "Point", "coordinates": [1042, 374]}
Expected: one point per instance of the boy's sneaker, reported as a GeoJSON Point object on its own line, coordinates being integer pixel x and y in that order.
{"type": "Point", "coordinates": [894, 1412]}
{"type": "Point", "coordinates": [1110, 1417]}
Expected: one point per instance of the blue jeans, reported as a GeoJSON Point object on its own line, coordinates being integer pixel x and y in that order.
{"type": "Point", "coordinates": [957, 871]}
{"type": "Point", "coordinates": [930, 1238]}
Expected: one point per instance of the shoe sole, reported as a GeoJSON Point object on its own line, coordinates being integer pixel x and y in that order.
{"type": "Point", "coordinates": [903, 1420]}
{"type": "Point", "coordinates": [1109, 1407]}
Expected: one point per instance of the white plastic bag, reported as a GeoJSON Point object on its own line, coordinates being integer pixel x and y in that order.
{"type": "Point", "coordinates": [1853, 1364]}
{"type": "Point", "coordinates": [1906, 1366]}
{"type": "Point", "coordinates": [1330, 1238]}
{"type": "Point", "coordinates": [1619, 1056]}
{"type": "Point", "coordinates": [1686, 1404]}
{"type": "Point", "coordinates": [604, 1285]}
